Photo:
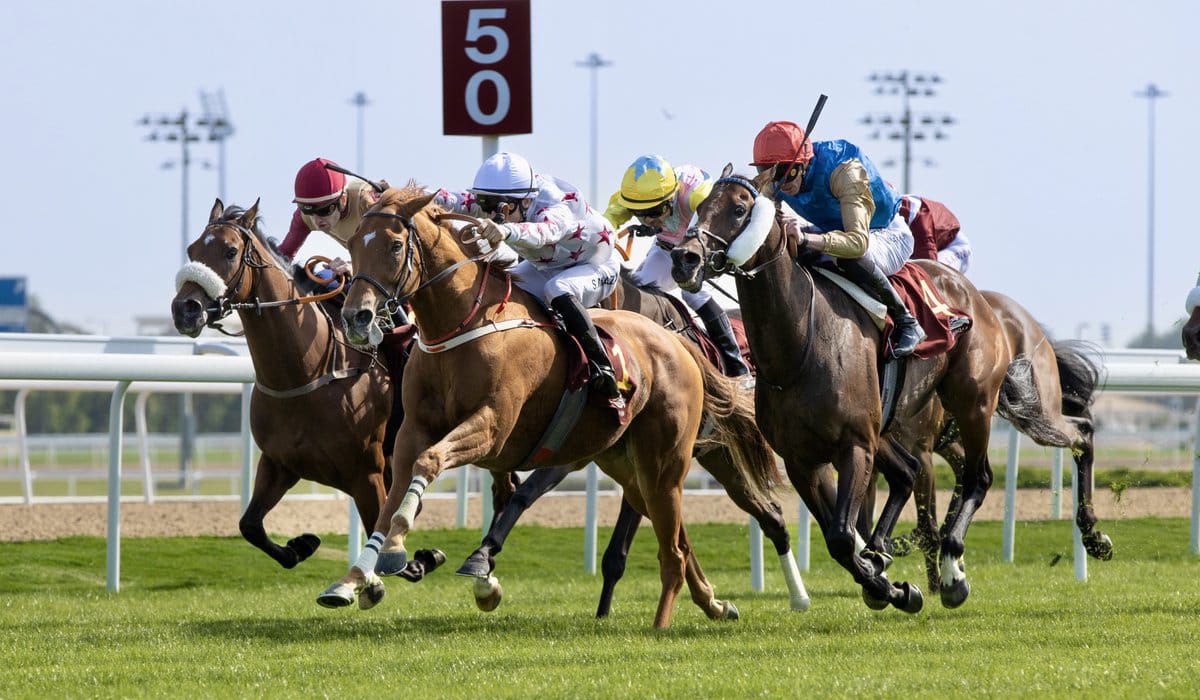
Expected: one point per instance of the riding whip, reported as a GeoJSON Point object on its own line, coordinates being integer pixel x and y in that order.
{"type": "Point", "coordinates": [378, 187]}
{"type": "Point", "coordinates": [812, 124]}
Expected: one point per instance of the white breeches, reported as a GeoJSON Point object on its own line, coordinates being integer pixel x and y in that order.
{"type": "Point", "coordinates": [957, 254]}
{"type": "Point", "coordinates": [890, 247]}
{"type": "Point", "coordinates": [656, 270]}
{"type": "Point", "coordinates": [588, 282]}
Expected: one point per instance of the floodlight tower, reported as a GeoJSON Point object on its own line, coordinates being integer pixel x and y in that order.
{"type": "Point", "coordinates": [901, 127]}
{"type": "Point", "coordinates": [216, 119]}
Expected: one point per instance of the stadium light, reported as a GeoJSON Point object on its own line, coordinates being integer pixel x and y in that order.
{"type": "Point", "coordinates": [925, 127]}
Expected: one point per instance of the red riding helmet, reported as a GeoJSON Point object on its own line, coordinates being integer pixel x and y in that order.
{"type": "Point", "coordinates": [779, 142]}
{"type": "Point", "coordinates": [316, 184]}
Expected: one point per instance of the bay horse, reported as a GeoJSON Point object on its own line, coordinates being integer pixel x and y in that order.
{"type": "Point", "coordinates": [1047, 394]}
{"type": "Point", "coordinates": [319, 407]}
{"type": "Point", "coordinates": [818, 388]}
{"type": "Point", "coordinates": [489, 397]}
{"type": "Point", "coordinates": [1191, 329]}
{"type": "Point", "coordinates": [717, 459]}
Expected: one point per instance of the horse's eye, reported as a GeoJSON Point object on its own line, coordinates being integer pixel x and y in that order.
{"type": "Point", "coordinates": [397, 246]}
{"type": "Point", "coordinates": [740, 211]}
{"type": "Point", "coordinates": [231, 254]}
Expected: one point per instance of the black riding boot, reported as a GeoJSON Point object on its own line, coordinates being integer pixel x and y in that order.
{"type": "Point", "coordinates": [908, 332]}
{"type": "Point", "coordinates": [579, 324]}
{"type": "Point", "coordinates": [716, 322]}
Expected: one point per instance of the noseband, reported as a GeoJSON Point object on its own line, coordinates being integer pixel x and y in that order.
{"type": "Point", "coordinates": [717, 262]}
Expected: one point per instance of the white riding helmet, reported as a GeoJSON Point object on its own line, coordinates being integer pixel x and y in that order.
{"type": "Point", "coordinates": [505, 175]}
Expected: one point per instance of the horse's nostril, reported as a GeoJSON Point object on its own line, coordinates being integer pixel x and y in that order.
{"type": "Point", "coordinates": [691, 259]}
{"type": "Point", "coordinates": [363, 318]}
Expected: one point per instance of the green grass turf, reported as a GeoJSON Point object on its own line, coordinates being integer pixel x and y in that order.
{"type": "Point", "coordinates": [213, 617]}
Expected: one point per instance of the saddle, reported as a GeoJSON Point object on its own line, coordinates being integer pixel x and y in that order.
{"type": "Point", "coordinates": [707, 347]}
{"type": "Point", "coordinates": [942, 323]}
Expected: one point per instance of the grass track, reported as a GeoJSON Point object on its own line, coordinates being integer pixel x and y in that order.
{"type": "Point", "coordinates": [213, 617]}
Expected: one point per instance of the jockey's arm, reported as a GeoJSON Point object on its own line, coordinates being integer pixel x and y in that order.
{"type": "Point", "coordinates": [296, 235]}
{"type": "Point", "coordinates": [852, 188]}
{"type": "Point", "coordinates": [556, 223]}
{"type": "Point", "coordinates": [616, 214]}
{"type": "Point", "coordinates": [457, 202]}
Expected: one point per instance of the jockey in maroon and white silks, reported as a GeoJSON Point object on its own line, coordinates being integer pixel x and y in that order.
{"type": "Point", "coordinates": [936, 232]}
{"type": "Point", "coordinates": [566, 246]}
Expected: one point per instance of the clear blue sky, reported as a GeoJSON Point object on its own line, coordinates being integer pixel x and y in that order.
{"type": "Point", "coordinates": [1046, 166]}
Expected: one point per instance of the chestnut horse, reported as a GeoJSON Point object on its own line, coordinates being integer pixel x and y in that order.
{"type": "Point", "coordinates": [319, 407]}
{"type": "Point", "coordinates": [654, 304]}
{"type": "Point", "coordinates": [1047, 394]}
{"type": "Point", "coordinates": [817, 394]}
{"type": "Point", "coordinates": [1191, 329]}
{"type": "Point", "coordinates": [486, 393]}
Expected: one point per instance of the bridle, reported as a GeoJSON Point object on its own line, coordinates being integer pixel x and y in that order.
{"type": "Point", "coordinates": [716, 262]}
{"type": "Point", "coordinates": [395, 300]}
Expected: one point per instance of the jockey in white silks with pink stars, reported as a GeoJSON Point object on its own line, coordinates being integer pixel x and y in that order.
{"type": "Point", "coordinates": [664, 200]}
{"type": "Point", "coordinates": [566, 246]}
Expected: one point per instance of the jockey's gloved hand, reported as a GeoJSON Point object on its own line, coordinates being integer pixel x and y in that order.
{"type": "Point", "coordinates": [491, 231]}
{"type": "Point", "coordinates": [644, 230]}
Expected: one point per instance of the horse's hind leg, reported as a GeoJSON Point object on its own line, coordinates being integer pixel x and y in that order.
{"type": "Point", "coordinates": [612, 566]}
{"type": "Point", "coordinates": [899, 467]}
{"type": "Point", "coordinates": [482, 562]}
{"type": "Point", "coordinates": [271, 482]}
{"type": "Point", "coordinates": [925, 534]}
{"type": "Point", "coordinates": [1097, 544]}
{"type": "Point", "coordinates": [769, 516]}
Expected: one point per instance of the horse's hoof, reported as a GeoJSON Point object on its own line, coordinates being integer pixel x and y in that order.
{"type": "Point", "coordinates": [955, 594]}
{"type": "Point", "coordinates": [731, 611]}
{"type": "Point", "coordinates": [798, 604]}
{"type": "Point", "coordinates": [488, 593]}
{"type": "Point", "coordinates": [476, 565]}
{"type": "Point", "coordinates": [873, 602]}
{"type": "Point", "coordinates": [371, 594]}
{"type": "Point", "coordinates": [304, 546]}
{"type": "Point", "coordinates": [913, 601]}
{"type": "Point", "coordinates": [339, 595]}
{"type": "Point", "coordinates": [391, 563]}
{"type": "Point", "coordinates": [1098, 546]}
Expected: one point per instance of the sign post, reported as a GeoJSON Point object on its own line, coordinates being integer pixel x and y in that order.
{"type": "Point", "coordinates": [486, 85]}
{"type": "Point", "coordinates": [14, 309]}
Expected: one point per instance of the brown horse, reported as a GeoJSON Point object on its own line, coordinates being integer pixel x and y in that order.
{"type": "Point", "coordinates": [319, 407]}
{"type": "Point", "coordinates": [717, 460]}
{"type": "Point", "coordinates": [1047, 394]}
{"type": "Point", "coordinates": [490, 395]}
{"type": "Point", "coordinates": [1191, 329]}
{"type": "Point", "coordinates": [818, 387]}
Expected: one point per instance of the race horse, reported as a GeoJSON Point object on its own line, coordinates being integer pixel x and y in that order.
{"type": "Point", "coordinates": [818, 389]}
{"type": "Point", "coordinates": [1191, 329]}
{"type": "Point", "coordinates": [669, 313]}
{"type": "Point", "coordinates": [490, 373]}
{"type": "Point", "coordinates": [1053, 407]}
{"type": "Point", "coordinates": [319, 407]}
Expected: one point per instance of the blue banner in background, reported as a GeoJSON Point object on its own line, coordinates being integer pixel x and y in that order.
{"type": "Point", "coordinates": [14, 313]}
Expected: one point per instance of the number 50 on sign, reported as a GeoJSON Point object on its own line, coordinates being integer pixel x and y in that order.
{"type": "Point", "coordinates": [485, 68]}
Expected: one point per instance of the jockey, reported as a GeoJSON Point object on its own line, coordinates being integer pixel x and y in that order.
{"type": "Point", "coordinates": [663, 200]}
{"type": "Point", "coordinates": [935, 232]}
{"type": "Point", "coordinates": [854, 211]}
{"type": "Point", "coordinates": [566, 246]}
{"type": "Point", "coordinates": [327, 201]}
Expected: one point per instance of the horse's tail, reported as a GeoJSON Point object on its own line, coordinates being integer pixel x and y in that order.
{"type": "Point", "coordinates": [1078, 376]}
{"type": "Point", "coordinates": [731, 411]}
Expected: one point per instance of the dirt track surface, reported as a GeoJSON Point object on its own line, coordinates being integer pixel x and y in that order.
{"type": "Point", "coordinates": [293, 516]}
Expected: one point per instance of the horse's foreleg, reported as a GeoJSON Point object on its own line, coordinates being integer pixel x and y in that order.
{"type": "Point", "coordinates": [925, 534]}
{"type": "Point", "coordinates": [702, 591]}
{"type": "Point", "coordinates": [976, 480]}
{"type": "Point", "coordinates": [483, 560]}
{"type": "Point", "coordinates": [271, 482]}
{"type": "Point", "coordinates": [899, 467]}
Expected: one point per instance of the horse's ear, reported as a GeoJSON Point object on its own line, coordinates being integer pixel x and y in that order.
{"type": "Point", "coordinates": [416, 204]}
{"type": "Point", "coordinates": [217, 210]}
{"type": "Point", "coordinates": [250, 214]}
{"type": "Point", "coordinates": [764, 180]}
{"type": "Point", "coordinates": [728, 170]}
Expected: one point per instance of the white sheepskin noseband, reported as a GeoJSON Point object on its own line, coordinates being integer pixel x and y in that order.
{"type": "Point", "coordinates": [1193, 300]}
{"type": "Point", "coordinates": [202, 275]}
{"type": "Point", "coordinates": [751, 239]}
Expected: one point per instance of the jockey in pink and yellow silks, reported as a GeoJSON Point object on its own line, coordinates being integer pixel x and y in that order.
{"type": "Point", "coordinates": [664, 199]}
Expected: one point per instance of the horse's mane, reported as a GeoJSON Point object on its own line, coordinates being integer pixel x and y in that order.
{"type": "Point", "coordinates": [400, 197]}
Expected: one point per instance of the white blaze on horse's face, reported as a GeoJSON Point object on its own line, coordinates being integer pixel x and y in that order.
{"type": "Point", "coordinates": [209, 239]}
{"type": "Point", "coordinates": [368, 238]}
